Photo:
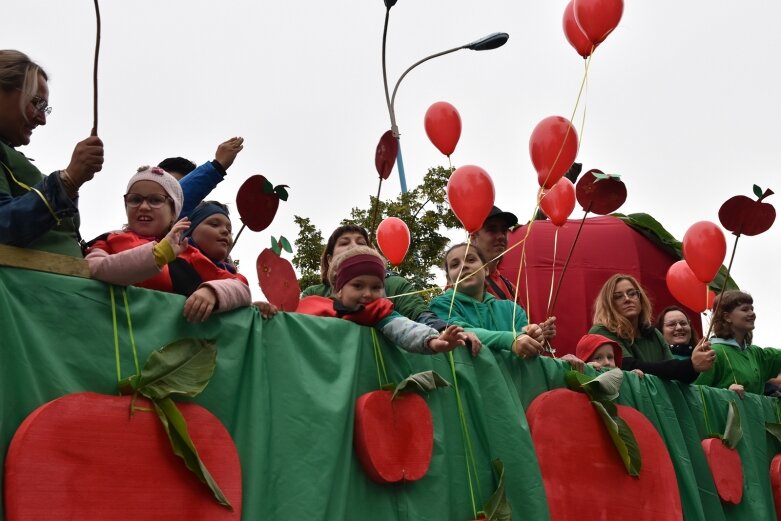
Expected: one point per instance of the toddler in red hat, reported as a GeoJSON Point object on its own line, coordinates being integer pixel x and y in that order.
{"type": "Point", "coordinates": [601, 352]}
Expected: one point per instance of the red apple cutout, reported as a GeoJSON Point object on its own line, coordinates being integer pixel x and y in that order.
{"type": "Point", "coordinates": [775, 483]}
{"type": "Point", "coordinates": [394, 437]}
{"type": "Point", "coordinates": [583, 475]}
{"type": "Point", "coordinates": [600, 193]}
{"type": "Point", "coordinates": [257, 202]}
{"type": "Point", "coordinates": [277, 278]}
{"type": "Point", "coordinates": [84, 457]}
{"type": "Point", "coordinates": [385, 155]}
{"type": "Point", "coordinates": [726, 468]}
{"type": "Point", "coordinates": [743, 216]}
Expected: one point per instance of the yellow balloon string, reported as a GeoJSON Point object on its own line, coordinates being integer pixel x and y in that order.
{"type": "Point", "coordinates": [705, 412]}
{"type": "Point", "coordinates": [553, 267]}
{"type": "Point", "coordinates": [116, 333]}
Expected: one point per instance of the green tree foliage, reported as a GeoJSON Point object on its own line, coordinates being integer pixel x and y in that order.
{"type": "Point", "coordinates": [424, 209]}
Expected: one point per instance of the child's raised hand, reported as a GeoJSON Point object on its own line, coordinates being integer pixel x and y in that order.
{"type": "Point", "coordinates": [227, 151]}
{"type": "Point", "coordinates": [174, 236]}
{"type": "Point", "coordinates": [199, 306]}
{"type": "Point", "coordinates": [449, 339]}
{"type": "Point", "coordinates": [473, 342]}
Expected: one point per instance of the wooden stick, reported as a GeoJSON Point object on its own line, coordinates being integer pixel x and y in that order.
{"type": "Point", "coordinates": [95, 74]}
{"type": "Point", "coordinates": [723, 288]}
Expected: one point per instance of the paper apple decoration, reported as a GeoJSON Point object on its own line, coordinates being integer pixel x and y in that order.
{"type": "Point", "coordinates": [83, 456]}
{"type": "Point", "coordinates": [394, 437]}
{"type": "Point", "coordinates": [583, 475]}
{"type": "Point", "coordinates": [276, 276]}
{"type": "Point", "coordinates": [600, 193]}
{"type": "Point", "coordinates": [726, 468]}
{"type": "Point", "coordinates": [258, 201]}
{"type": "Point", "coordinates": [741, 215]}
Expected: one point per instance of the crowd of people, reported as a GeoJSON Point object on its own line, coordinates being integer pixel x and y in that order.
{"type": "Point", "coordinates": [175, 241]}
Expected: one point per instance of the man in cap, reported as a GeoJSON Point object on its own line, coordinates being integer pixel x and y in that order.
{"type": "Point", "coordinates": [492, 240]}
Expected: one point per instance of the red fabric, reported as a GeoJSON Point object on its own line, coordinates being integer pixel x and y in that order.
{"type": "Point", "coordinates": [83, 456]}
{"type": "Point", "coordinates": [117, 242]}
{"type": "Point", "coordinates": [606, 246]}
{"type": "Point", "coordinates": [369, 315]}
{"type": "Point", "coordinates": [726, 469]}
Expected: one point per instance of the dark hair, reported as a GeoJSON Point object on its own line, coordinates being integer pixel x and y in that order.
{"type": "Point", "coordinates": [207, 203]}
{"type": "Point", "coordinates": [179, 165]}
{"type": "Point", "coordinates": [695, 338]}
{"type": "Point", "coordinates": [331, 244]}
{"type": "Point", "coordinates": [473, 247]}
{"type": "Point", "coordinates": [729, 300]}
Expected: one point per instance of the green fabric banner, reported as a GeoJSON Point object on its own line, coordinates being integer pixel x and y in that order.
{"type": "Point", "coordinates": [285, 389]}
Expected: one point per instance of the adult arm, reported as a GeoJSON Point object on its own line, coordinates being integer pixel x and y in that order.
{"type": "Point", "coordinates": [681, 370]}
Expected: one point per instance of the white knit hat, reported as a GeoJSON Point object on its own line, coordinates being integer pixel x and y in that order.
{"type": "Point", "coordinates": [164, 179]}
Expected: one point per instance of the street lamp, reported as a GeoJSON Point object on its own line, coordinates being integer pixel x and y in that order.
{"type": "Point", "coordinates": [492, 41]}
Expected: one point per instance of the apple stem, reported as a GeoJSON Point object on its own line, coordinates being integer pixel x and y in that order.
{"type": "Point", "coordinates": [767, 193]}
{"type": "Point", "coordinates": [235, 240]}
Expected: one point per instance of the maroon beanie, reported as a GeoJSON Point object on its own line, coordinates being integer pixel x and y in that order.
{"type": "Point", "coordinates": [590, 343]}
{"type": "Point", "coordinates": [358, 265]}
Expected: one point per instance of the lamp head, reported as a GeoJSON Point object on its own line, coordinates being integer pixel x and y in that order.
{"type": "Point", "coordinates": [486, 43]}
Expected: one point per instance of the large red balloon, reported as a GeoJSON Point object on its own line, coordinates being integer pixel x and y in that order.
{"type": "Point", "coordinates": [575, 36]}
{"type": "Point", "coordinates": [470, 192]}
{"type": "Point", "coordinates": [598, 18]}
{"type": "Point", "coordinates": [393, 239]}
{"type": "Point", "coordinates": [704, 248]}
{"type": "Point", "coordinates": [686, 289]}
{"type": "Point", "coordinates": [553, 147]}
{"type": "Point", "coordinates": [443, 126]}
{"type": "Point", "coordinates": [559, 201]}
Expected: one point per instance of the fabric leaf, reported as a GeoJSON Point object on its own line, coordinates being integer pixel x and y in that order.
{"type": "Point", "coordinates": [176, 428]}
{"type": "Point", "coordinates": [623, 438]}
{"type": "Point", "coordinates": [281, 192]}
{"type": "Point", "coordinates": [605, 386]}
{"type": "Point", "coordinates": [285, 244]}
{"type": "Point", "coordinates": [576, 380]}
{"type": "Point", "coordinates": [497, 508]}
{"type": "Point", "coordinates": [268, 188]}
{"type": "Point", "coordinates": [733, 432]}
{"type": "Point", "coordinates": [181, 367]}
{"type": "Point", "coordinates": [757, 191]}
{"type": "Point", "coordinates": [420, 383]}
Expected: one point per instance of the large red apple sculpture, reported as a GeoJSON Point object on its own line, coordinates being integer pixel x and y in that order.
{"type": "Point", "coordinates": [394, 431]}
{"type": "Point", "coordinates": [775, 483]}
{"type": "Point", "coordinates": [276, 276]}
{"type": "Point", "coordinates": [584, 476]}
{"type": "Point", "coordinates": [724, 460]}
{"type": "Point", "coordinates": [84, 457]}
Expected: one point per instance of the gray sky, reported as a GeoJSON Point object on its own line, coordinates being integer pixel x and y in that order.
{"type": "Point", "coordinates": [682, 101]}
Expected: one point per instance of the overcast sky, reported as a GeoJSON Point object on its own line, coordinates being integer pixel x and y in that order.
{"type": "Point", "coordinates": [682, 101]}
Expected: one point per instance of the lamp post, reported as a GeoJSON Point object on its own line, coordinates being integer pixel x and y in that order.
{"type": "Point", "coordinates": [492, 41]}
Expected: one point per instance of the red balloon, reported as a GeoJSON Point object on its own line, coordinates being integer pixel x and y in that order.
{"type": "Point", "coordinates": [687, 289]}
{"type": "Point", "coordinates": [704, 248]}
{"type": "Point", "coordinates": [470, 192]}
{"type": "Point", "coordinates": [559, 201]}
{"type": "Point", "coordinates": [393, 239]}
{"type": "Point", "coordinates": [553, 146]}
{"type": "Point", "coordinates": [575, 36]}
{"type": "Point", "coordinates": [443, 126]}
{"type": "Point", "coordinates": [598, 18]}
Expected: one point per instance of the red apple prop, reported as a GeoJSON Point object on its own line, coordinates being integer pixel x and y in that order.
{"type": "Point", "coordinates": [258, 201]}
{"type": "Point", "coordinates": [775, 483]}
{"type": "Point", "coordinates": [278, 280]}
{"type": "Point", "coordinates": [583, 475]}
{"type": "Point", "coordinates": [83, 456]}
{"type": "Point", "coordinates": [726, 468]}
{"type": "Point", "coordinates": [741, 215]}
{"type": "Point", "coordinates": [600, 193]}
{"type": "Point", "coordinates": [393, 437]}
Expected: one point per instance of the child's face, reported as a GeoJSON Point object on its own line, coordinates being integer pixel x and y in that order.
{"type": "Point", "coordinates": [473, 286]}
{"type": "Point", "coordinates": [603, 357]}
{"type": "Point", "coordinates": [363, 289]}
{"type": "Point", "coordinates": [213, 236]}
{"type": "Point", "coordinates": [144, 219]}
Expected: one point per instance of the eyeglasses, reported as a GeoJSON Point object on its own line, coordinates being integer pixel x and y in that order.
{"type": "Point", "coordinates": [632, 294]}
{"type": "Point", "coordinates": [154, 200]}
{"type": "Point", "coordinates": [682, 323]}
{"type": "Point", "coordinates": [41, 105]}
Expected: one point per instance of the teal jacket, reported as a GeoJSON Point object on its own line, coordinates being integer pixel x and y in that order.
{"type": "Point", "coordinates": [491, 320]}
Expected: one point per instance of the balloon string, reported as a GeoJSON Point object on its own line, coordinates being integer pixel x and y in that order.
{"type": "Point", "coordinates": [553, 268]}
{"type": "Point", "coordinates": [705, 412]}
{"type": "Point", "coordinates": [723, 287]}
{"type": "Point", "coordinates": [552, 305]}
{"type": "Point", "coordinates": [583, 86]}
{"type": "Point", "coordinates": [379, 361]}
{"type": "Point", "coordinates": [95, 73]}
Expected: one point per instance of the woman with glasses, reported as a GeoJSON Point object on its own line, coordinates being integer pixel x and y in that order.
{"type": "Point", "coordinates": [151, 251]}
{"type": "Point", "coordinates": [622, 312]}
{"type": "Point", "coordinates": [677, 330]}
{"type": "Point", "coordinates": [37, 211]}
{"type": "Point", "coordinates": [740, 366]}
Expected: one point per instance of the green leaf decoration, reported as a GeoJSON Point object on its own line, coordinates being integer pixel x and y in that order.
{"type": "Point", "coordinates": [176, 428]}
{"type": "Point", "coordinates": [420, 383]}
{"type": "Point", "coordinates": [576, 380]}
{"type": "Point", "coordinates": [182, 367]}
{"type": "Point", "coordinates": [606, 385]}
{"type": "Point", "coordinates": [757, 191]}
{"type": "Point", "coordinates": [281, 192]}
{"type": "Point", "coordinates": [497, 508]}
{"type": "Point", "coordinates": [286, 244]}
{"type": "Point", "coordinates": [268, 188]}
{"type": "Point", "coordinates": [275, 245]}
{"type": "Point", "coordinates": [622, 436]}
{"type": "Point", "coordinates": [599, 176]}
{"type": "Point", "coordinates": [733, 432]}
{"type": "Point", "coordinates": [774, 429]}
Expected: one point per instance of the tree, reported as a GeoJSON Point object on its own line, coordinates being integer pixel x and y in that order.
{"type": "Point", "coordinates": [425, 211]}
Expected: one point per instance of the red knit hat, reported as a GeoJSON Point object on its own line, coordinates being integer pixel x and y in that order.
{"type": "Point", "coordinates": [590, 343]}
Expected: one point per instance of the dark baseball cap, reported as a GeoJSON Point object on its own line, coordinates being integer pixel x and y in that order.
{"type": "Point", "coordinates": [508, 218]}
